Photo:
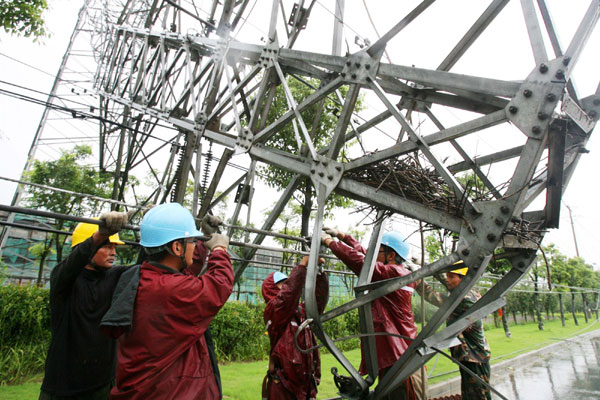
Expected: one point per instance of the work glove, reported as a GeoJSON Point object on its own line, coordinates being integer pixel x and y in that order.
{"type": "Point", "coordinates": [217, 240]}
{"type": "Point", "coordinates": [330, 231]}
{"type": "Point", "coordinates": [324, 237]}
{"type": "Point", "coordinates": [210, 224]}
{"type": "Point", "coordinates": [112, 222]}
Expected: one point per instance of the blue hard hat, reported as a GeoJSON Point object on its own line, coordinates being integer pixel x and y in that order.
{"type": "Point", "coordinates": [165, 223]}
{"type": "Point", "coordinates": [397, 242]}
{"type": "Point", "coordinates": [279, 276]}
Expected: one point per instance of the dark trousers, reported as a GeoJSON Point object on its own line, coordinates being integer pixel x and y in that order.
{"type": "Point", "coordinates": [98, 394]}
{"type": "Point", "coordinates": [471, 388]}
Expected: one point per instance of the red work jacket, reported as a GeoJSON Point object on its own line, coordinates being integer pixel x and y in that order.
{"type": "Point", "coordinates": [293, 375]}
{"type": "Point", "coordinates": [392, 313]}
{"type": "Point", "coordinates": [165, 354]}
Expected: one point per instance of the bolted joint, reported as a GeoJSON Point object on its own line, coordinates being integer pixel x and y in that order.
{"type": "Point", "coordinates": [499, 221]}
{"type": "Point", "coordinates": [513, 109]}
{"type": "Point", "coordinates": [542, 115]}
{"type": "Point", "coordinates": [466, 252]}
{"type": "Point", "coordinates": [596, 102]}
{"type": "Point", "coordinates": [521, 264]}
{"type": "Point", "coordinates": [536, 130]}
{"type": "Point", "coordinates": [551, 97]}
{"type": "Point", "coordinates": [543, 68]}
{"type": "Point", "coordinates": [504, 209]}
{"type": "Point", "coordinates": [560, 74]}
{"type": "Point", "coordinates": [527, 93]}
{"type": "Point", "coordinates": [593, 114]}
{"type": "Point", "coordinates": [491, 237]}
{"type": "Point", "coordinates": [566, 61]}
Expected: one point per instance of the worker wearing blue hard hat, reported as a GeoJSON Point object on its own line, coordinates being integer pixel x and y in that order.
{"type": "Point", "coordinates": [392, 313]}
{"type": "Point", "coordinates": [161, 312]}
{"type": "Point", "coordinates": [292, 374]}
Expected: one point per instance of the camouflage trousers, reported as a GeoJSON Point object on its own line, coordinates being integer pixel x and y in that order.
{"type": "Point", "coordinates": [471, 388]}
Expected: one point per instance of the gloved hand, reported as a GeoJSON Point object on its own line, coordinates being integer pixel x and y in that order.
{"type": "Point", "coordinates": [325, 237]}
{"type": "Point", "coordinates": [112, 222]}
{"type": "Point", "coordinates": [210, 224]}
{"type": "Point", "coordinates": [217, 240]}
{"type": "Point", "coordinates": [334, 232]}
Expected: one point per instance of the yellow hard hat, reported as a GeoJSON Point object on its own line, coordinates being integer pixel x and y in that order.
{"type": "Point", "coordinates": [460, 271]}
{"type": "Point", "coordinates": [83, 230]}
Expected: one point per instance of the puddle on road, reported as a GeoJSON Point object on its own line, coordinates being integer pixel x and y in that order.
{"type": "Point", "coordinates": [568, 371]}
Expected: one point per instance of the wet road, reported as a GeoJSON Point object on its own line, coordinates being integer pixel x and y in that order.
{"type": "Point", "coordinates": [570, 370]}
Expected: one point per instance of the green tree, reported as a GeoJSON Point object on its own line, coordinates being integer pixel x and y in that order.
{"type": "Point", "coordinates": [67, 172]}
{"type": "Point", "coordinates": [286, 140]}
{"type": "Point", "coordinates": [23, 17]}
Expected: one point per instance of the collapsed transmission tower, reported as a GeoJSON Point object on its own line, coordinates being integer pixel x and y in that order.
{"type": "Point", "coordinates": [169, 75]}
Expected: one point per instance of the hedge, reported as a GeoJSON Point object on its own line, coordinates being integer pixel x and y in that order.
{"type": "Point", "coordinates": [24, 331]}
{"type": "Point", "coordinates": [238, 331]}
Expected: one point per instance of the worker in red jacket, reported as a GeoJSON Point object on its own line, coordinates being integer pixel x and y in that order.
{"type": "Point", "coordinates": [292, 374]}
{"type": "Point", "coordinates": [162, 313]}
{"type": "Point", "coordinates": [392, 313]}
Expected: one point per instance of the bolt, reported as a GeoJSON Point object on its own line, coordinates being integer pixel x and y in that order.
{"type": "Point", "coordinates": [513, 109]}
{"type": "Point", "coordinates": [348, 63]}
{"type": "Point", "coordinates": [527, 93]}
{"type": "Point", "coordinates": [593, 114]}
{"type": "Point", "coordinates": [499, 221]}
{"type": "Point", "coordinates": [560, 74]}
{"type": "Point", "coordinates": [536, 129]}
{"type": "Point", "coordinates": [491, 237]}
{"type": "Point", "coordinates": [325, 163]}
{"type": "Point", "coordinates": [521, 264]}
{"type": "Point", "coordinates": [596, 102]}
{"type": "Point", "coordinates": [312, 171]}
{"type": "Point", "coordinates": [566, 61]}
{"type": "Point", "coordinates": [343, 74]}
{"type": "Point", "coordinates": [354, 76]}
{"type": "Point", "coordinates": [551, 97]}
{"type": "Point", "coordinates": [357, 65]}
{"type": "Point", "coordinates": [321, 174]}
{"type": "Point", "coordinates": [504, 209]}
{"type": "Point", "coordinates": [368, 66]}
{"type": "Point", "coordinates": [543, 68]}
{"type": "Point", "coordinates": [330, 177]}
{"type": "Point", "coordinates": [465, 252]}
{"type": "Point", "coordinates": [542, 115]}
{"type": "Point", "coordinates": [338, 167]}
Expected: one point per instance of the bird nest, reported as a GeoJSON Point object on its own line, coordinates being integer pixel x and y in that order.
{"type": "Point", "coordinates": [409, 178]}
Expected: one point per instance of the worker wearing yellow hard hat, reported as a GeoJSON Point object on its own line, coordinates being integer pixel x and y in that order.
{"type": "Point", "coordinates": [474, 351]}
{"type": "Point", "coordinates": [81, 359]}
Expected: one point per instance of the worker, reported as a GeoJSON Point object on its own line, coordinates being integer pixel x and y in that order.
{"type": "Point", "coordinates": [160, 312]}
{"type": "Point", "coordinates": [292, 374]}
{"type": "Point", "coordinates": [392, 313]}
{"type": "Point", "coordinates": [81, 360]}
{"type": "Point", "coordinates": [473, 352]}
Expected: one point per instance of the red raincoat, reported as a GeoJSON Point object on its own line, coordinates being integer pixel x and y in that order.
{"type": "Point", "coordinates": [392, 313]}
{"type": "Point", "coordinates": [292, 374]}
{"type": "Point", "coordinates": [165, 355]}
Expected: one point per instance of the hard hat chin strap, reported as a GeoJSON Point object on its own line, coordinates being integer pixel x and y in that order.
{"type": "Point", "coordinates": [181, 257]}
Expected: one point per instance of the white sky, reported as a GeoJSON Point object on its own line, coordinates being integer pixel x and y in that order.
{"type": "Point", "coordinates": [498, 53]}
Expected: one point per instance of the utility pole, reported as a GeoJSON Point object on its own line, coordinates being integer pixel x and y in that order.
{"type": "Point", "coordinates": [573, 229]}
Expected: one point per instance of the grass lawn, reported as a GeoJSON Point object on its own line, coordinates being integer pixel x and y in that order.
{"type": "Point", "coordinates": [242, 381]}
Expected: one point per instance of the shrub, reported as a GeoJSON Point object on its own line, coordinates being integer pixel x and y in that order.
{"type": "Point", "coordinates": [24, 331]}
{"type": "Point", "coordinates": [238, 331]}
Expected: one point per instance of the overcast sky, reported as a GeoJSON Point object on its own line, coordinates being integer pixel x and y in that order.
{"type": "Point", "coordinates": [32, 65]}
